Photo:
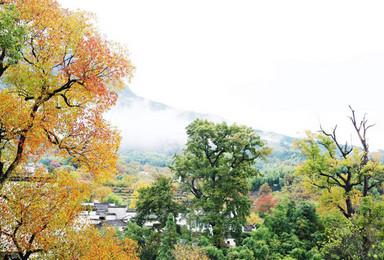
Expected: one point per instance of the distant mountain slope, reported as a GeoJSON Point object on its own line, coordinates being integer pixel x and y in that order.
{"type": "Point", "coordinates": [149, 126]}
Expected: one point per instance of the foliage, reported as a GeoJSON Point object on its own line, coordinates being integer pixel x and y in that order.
{"type": "Point", "coordinates": [264, 203]}
{"type": "Point", "coordinates": [214, 253]}
{"type": "Point", "coordinates": [150, 158]}
{"type": "Point", "coordinates": [256, 249]}
{"type": "Point", "coordinates": [188, 252]}
{"type": "Point", "coordinates": [291, 229]}
{"type": "Point", "coordinates": [341, 173]}
{"type": "Point", "coordinates": [275, 175]}
{"type": "Point", "coordinates": [156, 202]}
{"type": "Point", "coordinates": [169, 239]}
{"type": "Point", "coordinates": [357, 238]}
{"type": "Point", "coordinates": [214, 167]}
{"type": "Point", "coordinates": [265, 189]}
{"type": "Point", "coordinates": [54, 98]}
{"type": "Point", "coordinates": [101, 193]}
{"type": "Point", "coordinates": [12, 36]}
{"type": "Point", "coordinates": [148, 240]}
{"type": "Point", "coordinates": [203, 241]}
{"type": "Point", "coordinates": [254, 219]}
{"type": "Point", "coordinates": [35, 214]}
{"type": "Point", "coordinates": [90, 243]}
{"type": "Point", "coordinates": [114, 199]}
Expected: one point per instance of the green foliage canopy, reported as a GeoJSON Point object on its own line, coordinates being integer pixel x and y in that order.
{"type": "Point", "coordinates": [214, 167]}
{"type": "Point", "coordinates": [156, 202]}
{"type": "Point", "coordinates": [12, 34]}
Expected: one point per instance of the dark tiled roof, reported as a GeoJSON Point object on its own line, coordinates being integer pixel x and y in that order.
{"type": "Point", "coordinates": [248, 228]}
{"type": "Point", "coordinates": [101, 206]}
{"type": "Point", "coordinates": [101, 212]}
{"type": "Point", "coordinates": [114, 223]}
{"type": "Point", "coordinates": [116, 207]}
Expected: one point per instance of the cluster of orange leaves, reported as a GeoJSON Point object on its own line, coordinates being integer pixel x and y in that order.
{"type": "Point", "coordinates": [42, 217]}
{"type": "Point", "coordinates": [52, 101]}
{"type": "Point", "coordinates": [56, 95]}
{"type": "Point", "coordinates": [264, 203]}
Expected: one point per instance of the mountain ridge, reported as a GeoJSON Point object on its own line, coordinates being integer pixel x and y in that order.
{"type": "Point", "coordinates": [152, 126]}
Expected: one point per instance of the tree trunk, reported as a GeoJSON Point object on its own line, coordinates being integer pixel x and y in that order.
{"type": "Point", "coordinates": [350, 209]}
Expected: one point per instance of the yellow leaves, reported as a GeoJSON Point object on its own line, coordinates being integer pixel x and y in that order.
{"type": "Point", "coordinates": [332, 197]}
{"type": "Point", "coordinates": [138, 185]}
{"type": "Point", "coordinates": [377, 157]}
{"type": "Point", "coordinates": [189, 252]}
{"type": "Point", "coordinates": [44, 216]}
{"type": "Point", "coordinates": [35, 212]}
{"type": "Point", "coordinates": [101, 193]}
{"type": "Point", "coordinates": [91, 244]}
{"type": "Point", "coordinates": [254, 218]}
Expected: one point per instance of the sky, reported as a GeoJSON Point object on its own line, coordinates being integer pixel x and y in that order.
{"type": "Point", "coordinates": [282, 66]}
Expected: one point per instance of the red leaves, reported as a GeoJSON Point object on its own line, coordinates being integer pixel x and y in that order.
{"type": "Point", "coordinates": [265, 203]}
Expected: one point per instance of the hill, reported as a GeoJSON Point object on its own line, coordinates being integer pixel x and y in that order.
{"type": "Point", "coordinates": [152, 132]}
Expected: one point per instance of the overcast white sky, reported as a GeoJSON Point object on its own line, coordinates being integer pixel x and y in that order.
{"type": "Point", "coordinates": [282, 66]}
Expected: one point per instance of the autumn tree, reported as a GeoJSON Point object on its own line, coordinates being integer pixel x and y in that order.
{"type": "Point", "coordinates": [214, 167]}
{"type": "Point", "coordinates": [265, 189]}
{"type": "Point", "coordinates": [53, 98]}
{"type": "Point", "coordinates": [101, 193]}
{"type": "Point", "coordinates": [90, 243]}
{"type": "Point", "coordinates": [189, 252]}
{"type": "Point", "coordinates": [358, 238]}
{"type": "Point", "coordinates": [341, 173]}
{"type": "Point", "coordinates": [264, 203]}
{"type": "Point", "coordinates": [34, 214]}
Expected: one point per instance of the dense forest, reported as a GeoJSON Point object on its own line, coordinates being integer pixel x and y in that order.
{"type": "Point", "coordinates": [227, 193]}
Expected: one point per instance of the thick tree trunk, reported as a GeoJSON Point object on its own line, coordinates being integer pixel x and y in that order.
{"type": "Point", "coordinates": [366, 186]}
{"type": "Point", "coordinates": [350, 209]}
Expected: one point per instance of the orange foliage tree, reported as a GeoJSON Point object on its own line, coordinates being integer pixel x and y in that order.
{"type": "Point", "coordinates": [93, 244]}
{"type": "Point", "coordinates": [40, 218]}
{"type": "Point", "coordinates": [264, 203]}
{"type": "Point", "coordinates": [53, 98]}
{"type": "Point", "coordinates": [35, 213]}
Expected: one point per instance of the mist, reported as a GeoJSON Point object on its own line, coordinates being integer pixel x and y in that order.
{"type": "Point", "coordinates": [150, 126]}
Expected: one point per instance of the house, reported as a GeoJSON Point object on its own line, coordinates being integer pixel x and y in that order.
{"type": "Point", "coordinates": [109, 214]}
{"type": "Point", "coordinates": [105, 214]}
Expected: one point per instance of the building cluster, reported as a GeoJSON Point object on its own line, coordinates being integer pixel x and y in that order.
{"type": "Point", "coordinates": [109, 214]}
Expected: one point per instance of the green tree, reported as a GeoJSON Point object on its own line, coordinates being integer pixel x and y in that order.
{"type": "Point", "coordinates": [12, 34]}
{"type": "Point", "coordinates": [169, 239]}
{"type": "Point", "coordinates": [214, 167]}
{"type": "Point", "coordinates": [147, 239]}
{"type": "Point", "coordinates": [156, 202]}
{"type": "Point", "coordinates": [358, 238]}
{"type": "Point", "coordinates": [292, 229]}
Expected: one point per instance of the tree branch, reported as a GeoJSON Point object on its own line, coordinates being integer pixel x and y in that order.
{"type": "Point", "coordinates": [343, 150]}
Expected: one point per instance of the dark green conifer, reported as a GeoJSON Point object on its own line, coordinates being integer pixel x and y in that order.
{"type": "Point", "coordinates": [169, 239]}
